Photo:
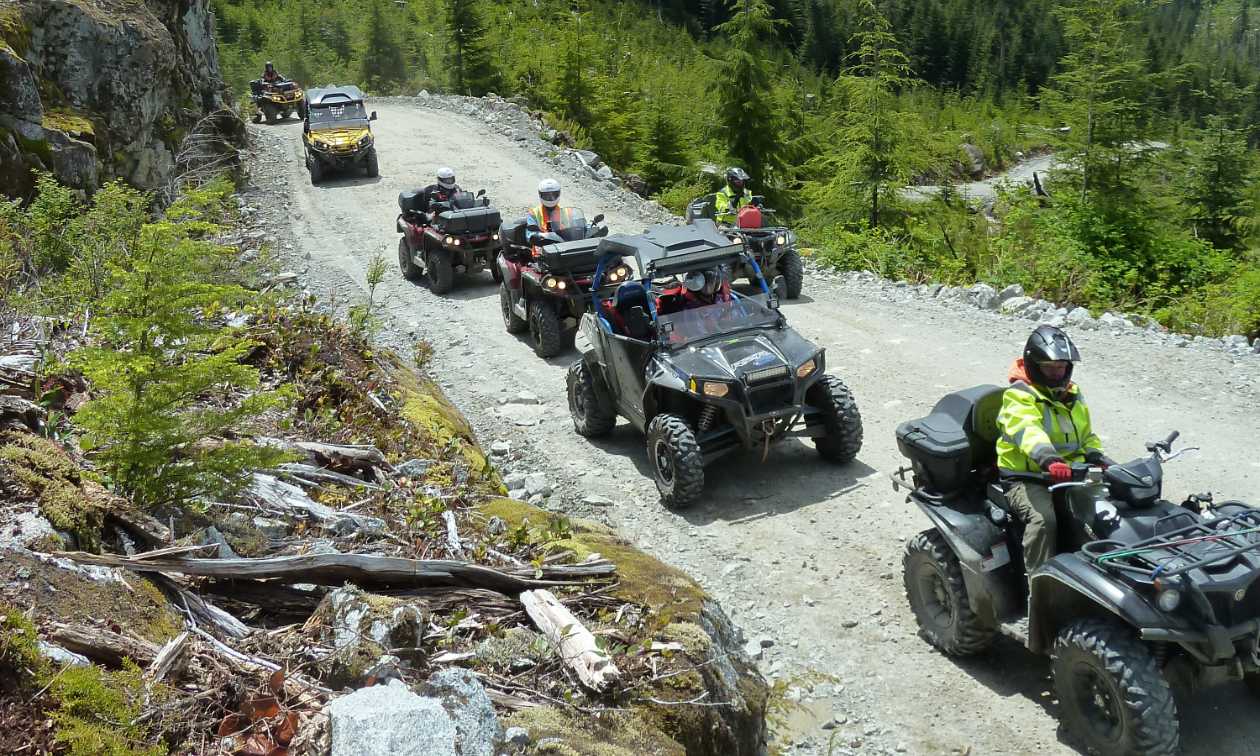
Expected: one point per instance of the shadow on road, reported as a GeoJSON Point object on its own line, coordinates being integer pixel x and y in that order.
{"type": "Point", "coordinates": [350, 177]}
{"type": "Point", "coordinates": [1217, 721]}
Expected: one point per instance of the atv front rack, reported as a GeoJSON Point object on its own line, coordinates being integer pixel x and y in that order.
{"type": "Point", "coordinates": [1174, 553]}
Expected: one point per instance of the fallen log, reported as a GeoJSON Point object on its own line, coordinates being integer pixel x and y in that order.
{"type": "Point", "coordinates": [313, 475]}
{"type": "Point", "coordinates": [103, 645]}
{"type": "Point", "coordinates": [574, 643]}
{"type": "Point", "coordinates": [362, 569]}
{"type": "Point", "coordinates": [288, 498]}
{"type": "Point", "coordinates": [342, 458]}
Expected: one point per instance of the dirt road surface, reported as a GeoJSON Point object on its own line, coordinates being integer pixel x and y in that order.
{"type": "Point", "coordinates": [798, 551]}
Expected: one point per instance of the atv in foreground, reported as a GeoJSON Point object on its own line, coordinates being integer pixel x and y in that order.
{"type": "Point", "coordinates": [773, 247]}
{"type": "Point", "coordinates": [546, 280]}
{"type": "Point", "coordinates": [274, 102]}
{"type": "Point", "coordinates": [337, 133]}
{"type": "Point", "coordinates": [706, 381]}
{"type": "Point", "coordinates": [460, 236]}
{"type": "Point", "coordinates": [1142, 594]}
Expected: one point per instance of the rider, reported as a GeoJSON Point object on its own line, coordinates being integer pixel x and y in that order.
{"type": "Point", "coordinates": [548, 213]}
{"type": "Point", "coordinates": [442, 191]}
{"type": "Point", "coordinates": [732, 197]}
{"type": "Point", "coordinates": [1045, 426]}
{"type": "Point", "coordinates": [270, 75]}
{"type": "Point", "coordinates": [699, 288]}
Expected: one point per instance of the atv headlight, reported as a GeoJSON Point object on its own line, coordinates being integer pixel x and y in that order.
{"type": "Point", "coordinates": [620, 273]}
{"type": "Point", "coordinates": [448, 240]}
{"type": "Point", "coordinates": [496, 236]}
{"type": "Point", "coordinates": [715, 389]}
{"type": "Point", "coordinates": [550, 283]}
{"type": "Point", "coordinates": [780, 240]}
{"type": "Point", "coordinates": [1169, 599]}
{"type": "Point", "coordinates": [808, 367]}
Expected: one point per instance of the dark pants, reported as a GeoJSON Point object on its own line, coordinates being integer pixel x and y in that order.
{"type": "Point", "coordinates": [1034, 505]}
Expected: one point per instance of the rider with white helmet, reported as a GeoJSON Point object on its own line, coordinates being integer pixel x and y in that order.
{"type": "Point", "coordinates": [548, 211]}
{"type": "Point", "coordinates": [442, 190]}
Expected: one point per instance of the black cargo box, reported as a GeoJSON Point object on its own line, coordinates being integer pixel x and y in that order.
{"type": "Point", "coordinates": [579, 258]}
{"type": "Point", "coordinates": [956, 442]}
{"type": "Point", "coordinates": [478, 220]}
{"type": "Point", "coordinates": [513, 232]}
{"type": "Point", "coordinates": [410, 202]}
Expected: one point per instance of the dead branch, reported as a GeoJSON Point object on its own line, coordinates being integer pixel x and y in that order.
{"type": "Point", "coordinates": [103, 645]}
{"type": "Point", "coordinates": [576, 644]}
{"type": "Point", "coordinates": [452, 535]}
{"type": "Point", "coordinates": [166, 658]}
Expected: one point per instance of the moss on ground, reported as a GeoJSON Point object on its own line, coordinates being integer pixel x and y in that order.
{"type": "Point", "coordinates": [36, 469]}
{"type": "Point", "coordinates": [562, 733]}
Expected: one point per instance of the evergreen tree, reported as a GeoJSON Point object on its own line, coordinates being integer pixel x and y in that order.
{"type": "Point", "coordinates": [745, 91]}
{"type": "Point", "coordinates": [469, 61]}
{"type": "Point", "coordinates": [662, 156]}
{"type": "Point", "coordinates": [875, 148]}
{"type": "Point", "coordinates": [383, 64]}
{"type": "Point", "coordinates": [1221, 174]}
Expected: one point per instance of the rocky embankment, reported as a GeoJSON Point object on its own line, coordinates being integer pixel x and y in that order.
{"type": "Point", "coordinates": [96, 91]}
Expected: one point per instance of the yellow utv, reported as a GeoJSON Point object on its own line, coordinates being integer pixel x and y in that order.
{"type": "Point", "coordinates": [337, 133]}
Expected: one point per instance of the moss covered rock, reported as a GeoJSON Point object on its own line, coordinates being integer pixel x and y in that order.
{"type": "Point", "coordinates": [363, 627]}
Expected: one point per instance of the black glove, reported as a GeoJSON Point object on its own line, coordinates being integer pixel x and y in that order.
{"type": "Point", "coordinates": [1046, 456]}
{"type": "Point", "coordinates": [1096, 457]}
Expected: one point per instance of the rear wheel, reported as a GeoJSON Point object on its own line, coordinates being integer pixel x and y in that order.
{"type": "Point", "coordinates": [677, 465]}
{"type": "Point", "coordinates": [512, 323]}
{"type": "Point", "coordinates": [440, 271]}
{"type": "Point", "coordinates": [840, 417]}
{"type": "Point", "coordinates": [270, 112]}
{"type": "Point", "coordinates": [409, 269]}
{"type": "Point", "coordinates": [1113, 694]}
{"type": "Point", "coordinates": [544, 327]}
{"type": "Point", "coordinates": [373, 168]}
{"type": "Point", "coordinates": [938, 597]}
{"type": "Point", "coordinates": [317, 171]}
{"type": "Point", "coordinates": [793, 272]}
{"type": "Point", "coordinates": [589, 416]}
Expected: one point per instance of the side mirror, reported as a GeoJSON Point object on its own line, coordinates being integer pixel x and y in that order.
{"type": "Point", "coordinates": [373, 116]}
{"type": "Point", "coordinates": [535, 239]}
{"type": "Point", "coordinates": [481, 193]}
{"type": "Point", "coordinates": [758, 199]}
{"type": "Point", "coordinates": [779, 287]}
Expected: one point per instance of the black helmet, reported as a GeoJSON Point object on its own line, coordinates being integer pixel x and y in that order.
{"type": "Point", "coordinates": [1049, 344]}
{"type": "Point", "coordinates": [736, 178]}
{"type": "Point", "coordinates": [268, 64]}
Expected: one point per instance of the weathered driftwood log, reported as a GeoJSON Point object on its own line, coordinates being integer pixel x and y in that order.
{"type": "Point", "coordinates": [141, 525]}
{"type": "Point", "coordinates": [313, 475]}
{"type": "Point", "coordinates": [104, 645]}
{"type": "Point", "coordinates": [362, 569]}
{"type": "Point", "coordinates": [574, 643]}
{"type": "Point", "coordinates": [287, 497]}
{"type": "Point", "coordinates": [347, 458]}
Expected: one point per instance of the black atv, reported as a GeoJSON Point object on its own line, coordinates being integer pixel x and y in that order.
{"type": "Point", "coordinates": [1142, 593]}
{"type": "Point", "coordinates": [773, 247]}
{"type": "Point", "coordinates": [545, 279]}
{"type": "Point", "coordinates": [460, 236]}
{"type": "Point", "coordinates": [701, 382]}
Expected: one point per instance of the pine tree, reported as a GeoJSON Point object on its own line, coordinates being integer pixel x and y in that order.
{"type": "Point", "coordinates": [1222, 172]}
{"type": "Point", "coordinates": [745, 91]}
{"type": "Point", "coordinates": [875, 148]}
{"type": "Point", "coordinates": [469, 61]}
{"type": "Point", "coordinates": [383, 62]}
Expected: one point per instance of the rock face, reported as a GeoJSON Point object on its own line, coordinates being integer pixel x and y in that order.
{"type": "Point", "coordinates": [97, 91]}
{"type": "Point", "coordinates": [361, 626]}
{"type": "Point", "coordinates": [975, 159]}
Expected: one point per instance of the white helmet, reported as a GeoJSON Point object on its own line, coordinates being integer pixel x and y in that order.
{"type": "Point", "coordinates": [549, 192]}
{"type": "Point", "coordinates": [446, 177]}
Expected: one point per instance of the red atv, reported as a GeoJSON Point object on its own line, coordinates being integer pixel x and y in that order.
{"type": "Point", "coordinates": [546, 278]}
{"type": "Point", "coordinates": [460, 235]}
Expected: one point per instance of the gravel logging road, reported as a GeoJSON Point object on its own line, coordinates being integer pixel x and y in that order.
{"type": "Point", "coordinates": [798, 551]}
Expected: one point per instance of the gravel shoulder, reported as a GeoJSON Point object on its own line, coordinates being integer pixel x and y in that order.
{"type": "Point", "coordinates": [799, 552]}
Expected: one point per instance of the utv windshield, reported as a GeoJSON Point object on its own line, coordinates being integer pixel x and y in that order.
{"type": "Point", "coordinates": [569, 224]}
{"type": "Point", "coordinates": [742, 313]}
{"type": "Point", "coordinates": [338, 116]}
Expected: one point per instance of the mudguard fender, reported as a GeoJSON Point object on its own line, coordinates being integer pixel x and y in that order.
{"type": "Point", "coordinates": [985, 558]}
{"type": "Point", "coordinates": [1069, 587]}
{"type": "Point", "coordinates": [402, 227]}
{"type": "Point", "coordinates": [659, 381]}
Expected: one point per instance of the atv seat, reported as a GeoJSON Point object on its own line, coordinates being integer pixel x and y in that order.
{"type": "Point", "coordinates": [630, 311]}
{"type": "Point", "coordinates": [513, 232]}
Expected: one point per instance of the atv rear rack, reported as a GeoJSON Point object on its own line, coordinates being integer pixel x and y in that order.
{"type": "Point", "coordinates": [1174, 553]}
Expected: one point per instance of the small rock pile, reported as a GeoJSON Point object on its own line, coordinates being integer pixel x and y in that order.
{"type": "Point", "coordinates": [1011, 301]}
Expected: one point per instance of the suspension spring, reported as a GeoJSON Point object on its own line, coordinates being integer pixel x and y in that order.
{"type": "Point", "coordinates": [1159, 650]}
{"type": "Point", "coordinates": [708, 416]}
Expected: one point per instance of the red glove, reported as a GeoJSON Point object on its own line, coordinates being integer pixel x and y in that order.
{"type": "Point", "coordinates": [1060, 472]}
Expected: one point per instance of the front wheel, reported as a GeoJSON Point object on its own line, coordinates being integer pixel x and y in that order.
{"type": "Point", "coordinates": [590, 418]}
{"type": "Point", "coordinates": [677, 465]}
{"type": "Point", "coordinates": [271, 113]}
{"type": "Point", "coordinates": [440, 270]}
{"type": "Point", "coordinates": [793, 272]}
{"type": "Point", "coordinates": [373, 168]}
{"type": "Point", "coordinates": [938, 597]}
{"type": "Point", "coordinates": [284, 114]}
{"type": "Point", "coordinates": [840, 417]}
{"type": "Point", "coordinates": [1113, 694]}
{"type": "Point", "coordinates": [409, 269]}
{"type": "Point", "coordinates": [317, 171]}
{"type": "Point", "coordinates": [544, 327]}
{"type": "Point", "coordinates": [511, 322]}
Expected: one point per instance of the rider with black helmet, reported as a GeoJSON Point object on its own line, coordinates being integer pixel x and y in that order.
{"type": "Point", "coordinates": [1045, 426]}
{"type": "Point", "coordinates": [733, 196]}
{"type": "Point", "coordinates": [270, 75]}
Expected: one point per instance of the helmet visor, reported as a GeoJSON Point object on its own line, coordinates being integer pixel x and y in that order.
{"type": "Point", "coordinates": [447, 182]}
{"type": "Point", "coordinates": [549, 196]}
{"type": "Point", "coordinates": [1056, 370]}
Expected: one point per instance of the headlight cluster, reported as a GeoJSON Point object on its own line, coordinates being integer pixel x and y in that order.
{"type": "Point", "coordinates": [450, 241]}
{"type": "Point", "coordinates": [619, 274]}
{"type": "Point", "coordinates": [715, 389]}
{"type": "Point", "coordinates": [496, 236]}
{"type": "Point", "coordinates": [365, 140]}
{"type": "Point", "coordinates": [556, 284]}
{"type": "Point", "coordinates": [780, 240]}
{"type": "Point", "coordinates": [1169, 599]}
{"type": "Point", "coordinates": [806, 368]}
